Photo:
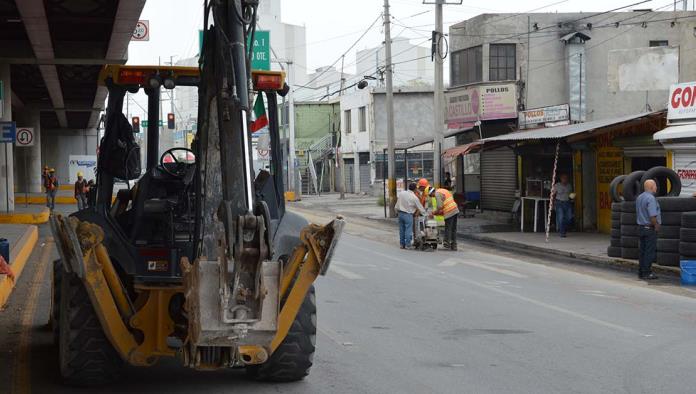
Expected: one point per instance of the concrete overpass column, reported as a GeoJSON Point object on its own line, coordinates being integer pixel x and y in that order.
{"type": "Point", "coordinates": [6, 150]}
{"type": "Point", "coordinates": [28, 160]}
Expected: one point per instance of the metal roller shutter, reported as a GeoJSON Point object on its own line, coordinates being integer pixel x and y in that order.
{"type": "Point", "coordinates": [498, 179]}
{"type": "Point", "coordinates": [685, 166]}
{"type": "Point", "coordinates": [364, 178]}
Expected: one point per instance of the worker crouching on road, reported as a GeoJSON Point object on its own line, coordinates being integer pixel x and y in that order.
{"type": "Point", "coordinates": [447, 207]}
{"type": "Point", "coordinates": [81, 190]}
{"type": "Point", "coordinates": [407, 203]}
{"type": "Point", "coordinates": [51, 185]}
{"type": "Point", "coordinates": [649, 220]}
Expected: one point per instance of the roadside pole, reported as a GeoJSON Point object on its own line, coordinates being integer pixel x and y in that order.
{"type": "Point", "coordinates": [390, 113]}
{"type": "Point", "coordinates": [292, 182]}
{"type": "Point", "coordinates": [438, 96]}
{"type": "Point", "coordinates": [339, 154]}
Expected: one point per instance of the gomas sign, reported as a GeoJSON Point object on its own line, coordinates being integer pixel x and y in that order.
{"type": "Point", "coordinates": [682, 102]}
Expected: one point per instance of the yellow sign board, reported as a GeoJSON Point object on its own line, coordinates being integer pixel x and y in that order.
{"type": "Point", "coordinates": [609, 166]}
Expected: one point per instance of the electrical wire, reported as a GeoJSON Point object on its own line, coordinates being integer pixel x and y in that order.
{"type": "Point", "coordinates": [344, 53]}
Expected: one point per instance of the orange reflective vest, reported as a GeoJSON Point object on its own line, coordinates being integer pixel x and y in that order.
{"type": "Point", "coordinates": [448, 205]}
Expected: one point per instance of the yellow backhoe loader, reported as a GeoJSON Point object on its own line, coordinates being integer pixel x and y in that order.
{"type": "Point", "coordinates": [198, 258]}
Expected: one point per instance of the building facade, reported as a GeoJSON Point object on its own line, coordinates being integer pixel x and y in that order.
{"type": "Point", "coordinates": [364, 135]}
{"type": "Point", "coordinates": [565, 68]}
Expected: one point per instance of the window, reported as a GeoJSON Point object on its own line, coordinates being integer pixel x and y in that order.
{"type": "Point", "coordinates": [346, 121]}
{"type": "Point", "coordinates": [466, 66]}
{"type": "Point", "coordinates": [502, 65]}
{"type": "Point", "coordinates": [362, 122]}
{"type": "Point", "coordinates": [659, 43]}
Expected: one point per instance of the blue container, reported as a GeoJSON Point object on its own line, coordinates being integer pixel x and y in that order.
{"type": "Point", "coordinates": [688, 272]}
{"type": "Point", "coordinates": [5, 249]}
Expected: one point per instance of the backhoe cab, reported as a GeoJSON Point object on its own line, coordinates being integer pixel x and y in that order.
{"type": "Point", "coordinates": [199, 260]}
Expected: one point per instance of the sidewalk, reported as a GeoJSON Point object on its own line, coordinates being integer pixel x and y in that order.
{"type": "Point", "coordinates": [587, 247]}
{"type": "Point", "coordinates": [23, 239]}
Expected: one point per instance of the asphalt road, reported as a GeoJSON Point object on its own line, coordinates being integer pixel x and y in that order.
{"type": "Point", "coordinates": [395, 321]}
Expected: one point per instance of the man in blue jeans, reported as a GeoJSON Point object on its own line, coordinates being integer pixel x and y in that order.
{"type": "Point", "coordinates": [563, 205]}
{"type": "Point", "coordinates": [407, 204]}
{"type": "Point", "coordinates": [649, 220]}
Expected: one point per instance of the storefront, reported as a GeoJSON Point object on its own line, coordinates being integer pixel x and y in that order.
{"type": "Point", "coordinates": [485, 110]}
{"type": "Point", "coordinates": [592, 154]}
{"type": "Point", "coordinates": [679, 137]}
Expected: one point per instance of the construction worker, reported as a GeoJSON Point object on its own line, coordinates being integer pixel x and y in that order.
{"type": "Point", "coordinates": [44, 175]}
{"type": "Point", "coordinates": [51, 185]}
{"type": "Point", "coordinates": [81, 190]}
{"type": "Point", "coordinates": [423, 190]}
{"type": "Point", "coordinates": [446, 207]}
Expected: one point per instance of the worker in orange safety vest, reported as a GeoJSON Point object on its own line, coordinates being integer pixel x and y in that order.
{"type": "Point", "coordinates": [447, 207]}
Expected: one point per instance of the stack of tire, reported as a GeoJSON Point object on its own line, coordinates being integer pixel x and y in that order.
{"type": "Point", "coordinates": [671, 206]}
{"type": "Point", "coordinates": [614, 249]}
{"type": "Point", "coordinates": [669, 236]}
{"type": "Point", "coordinates": [687, 241]}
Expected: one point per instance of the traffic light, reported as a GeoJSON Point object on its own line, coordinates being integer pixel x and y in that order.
{"type": "Point", "coordinates": [170, 121]}
{"type": "Point", "coordinates": [135, 122]}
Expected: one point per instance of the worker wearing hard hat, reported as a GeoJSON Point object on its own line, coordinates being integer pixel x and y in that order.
{"type": "Point", "coordinates": [447, 207]}
{"type": "Point", "coordinates": [51, 186]}
{"type": "Point", "coordinates": [423, 190]}
{"type": "Point", "coordinates": [81, 190]}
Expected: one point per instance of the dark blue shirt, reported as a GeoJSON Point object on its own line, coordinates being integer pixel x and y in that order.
{"type": "Point", "coordinates": [647, 207]}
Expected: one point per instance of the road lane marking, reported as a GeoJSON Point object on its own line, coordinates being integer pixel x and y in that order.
{"type": "Point", "coordinates": [344, 272]}
{"type": "Point", "coordinates": [22, 364]}
{"type": "Point", "coordinates": [520, 297]}
{"type": "Point", "coordinates": [451, 262]}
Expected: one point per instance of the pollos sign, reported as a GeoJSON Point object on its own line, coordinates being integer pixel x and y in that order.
{"type": "Point", "coordinates": [682, 102]}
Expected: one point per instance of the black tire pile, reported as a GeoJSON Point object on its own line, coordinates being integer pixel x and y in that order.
{"type": "Point", "coordinates": [687, 242]}
{"type": "Point", "coordinates": [614, 249]}
{"type": "Point", "coordinates": [626, 240]}
{"type": "Point", "coordinates": [669, 236]}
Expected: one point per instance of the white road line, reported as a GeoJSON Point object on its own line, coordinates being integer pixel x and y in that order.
{"type": "Point", "coordinates": [451, 262]}
{"type": "Point", "coordinates": [344, 272]}
{"type": "Point", "coordinates": [520, 297]}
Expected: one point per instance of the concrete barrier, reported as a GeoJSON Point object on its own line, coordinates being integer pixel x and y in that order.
{"type": "Point", "coordinates": [19, 255]}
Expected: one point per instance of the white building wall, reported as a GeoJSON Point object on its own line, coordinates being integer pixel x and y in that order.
{"type": "Point", "coordinates": [288, 41]}
{"type": "Point", "coordinates": [407, 71]}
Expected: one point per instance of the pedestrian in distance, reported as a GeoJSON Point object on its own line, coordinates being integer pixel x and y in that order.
{"type": "Point", "coordinates": [447, 207]}
{"type": "Point", "coordinates": [649, 220]}
{"type": "Point", "coordinates": [51, 186]}
{"type": "Point", "coordinates": [407, 204]}
{"type": "Point", "coordinates": [563, 205]}
{"type": "Point", "coordinates": [448, 181]}
{"type": "Point", "coordinates": [91, 194]}
{"type": "Point", "coordinates": [81, 190]}
{"type": "Point", "coordinates": [44, 175]}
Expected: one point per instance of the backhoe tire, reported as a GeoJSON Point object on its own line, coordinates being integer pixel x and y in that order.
{"type": "Point", "coordinates": [86, 356]}
{"type": "Point", "coordinates": [293, 358]}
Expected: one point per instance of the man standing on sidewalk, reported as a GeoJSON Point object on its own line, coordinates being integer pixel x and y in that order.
{"type": "Point", "coordinates": [447, 207]}
{"type": "Point", "coordinates": [407, 203]}
{"type": "Point", "coordinates": [564, 207]}
{"type": "Point", "coordinates": [649, 219]}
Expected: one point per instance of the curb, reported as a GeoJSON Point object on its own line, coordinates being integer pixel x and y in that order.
{"type": "Point", "coordinates": [19, 255]}
{"type": "Point", "coordinates": [25, 218]}
{"type": "Point", "coordinates": [605, 262]}
{"type": "Point", "coordinates": [611, 262]}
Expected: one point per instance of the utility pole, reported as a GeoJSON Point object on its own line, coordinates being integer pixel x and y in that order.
{"type": "Point", "coordinates": [438, 96]}
{"type": "Point", "coordinates": [339, 155]}
{"type": "Point", "coordinates": [391, 159]}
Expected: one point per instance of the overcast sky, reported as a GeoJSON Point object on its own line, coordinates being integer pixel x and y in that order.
{"type": "Point", "coordinates": [333, 25]}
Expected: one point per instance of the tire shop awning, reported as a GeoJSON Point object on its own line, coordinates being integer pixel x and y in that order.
{"type": "Point", "coordinates": [587, 128]}
{"type": "Point", "coordinates": [462, 149]}
{"type": "Point", "coordinates": [676, 132]}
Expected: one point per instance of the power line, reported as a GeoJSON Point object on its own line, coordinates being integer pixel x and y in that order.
{"type": "Point", "coordinates": [344, 53]}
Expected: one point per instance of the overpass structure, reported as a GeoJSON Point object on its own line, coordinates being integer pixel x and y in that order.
{"type": "Point", "coordinates": [51, 52]}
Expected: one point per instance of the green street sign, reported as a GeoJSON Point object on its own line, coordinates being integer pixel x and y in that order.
{"type": "Point", "coordinates": [261, 53]}
{"type": "Point", "coordinates": [200, 42]}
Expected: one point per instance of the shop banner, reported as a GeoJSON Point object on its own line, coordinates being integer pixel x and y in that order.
{"type": "Point", "coordinates": [544, 116]}
{"type": "Point", "coordinates": [685, 166]}
{"type": "Point", "coordinates": [481, 102]}
{"type": "Point", "coordinates": [85, 164]}
{"type": "Point", "coordinates": [682, 102]}
{"type": "Point", "coordinates": [609, 166]}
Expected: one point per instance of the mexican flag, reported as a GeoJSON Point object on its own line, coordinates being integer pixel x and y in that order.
{"type": "Point", "coordinates": [261, 120]}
